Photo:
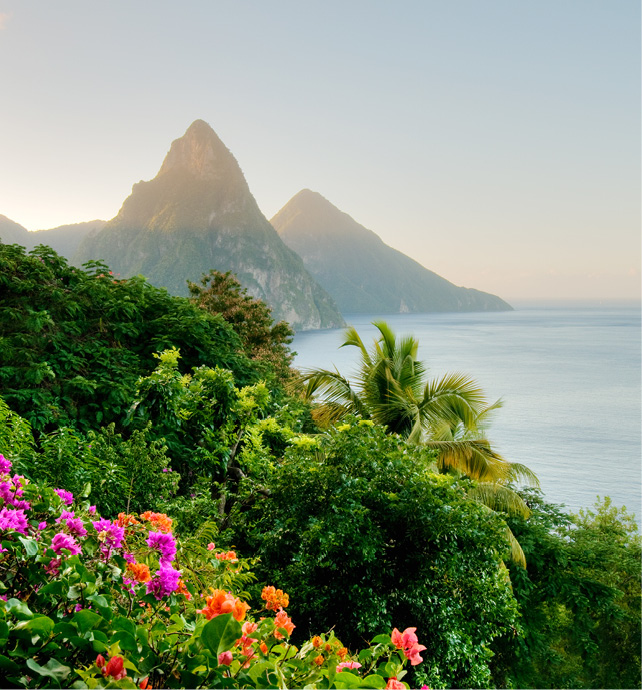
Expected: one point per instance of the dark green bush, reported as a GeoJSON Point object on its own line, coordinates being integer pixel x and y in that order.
{"type": "Point", "coordinates": [367, 536]}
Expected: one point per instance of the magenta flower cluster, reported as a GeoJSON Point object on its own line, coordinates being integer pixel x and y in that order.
{"type": "Point", "coordinates": [65, 496]}
{"type": "Point", "coordinates": [13, 519]}
{"type": "Point", "coordinates": [64, 541]}
{"type": "Point", "coordinates": [165, 544]}
{"type": "Point", "coordinates": [11, 490]}
{"type": "Point", "coordinates": [110, 534]}
{"type": "Point", "coordinates": [165, 582]}
{"type": "Point", "coordinates": [5, 465]}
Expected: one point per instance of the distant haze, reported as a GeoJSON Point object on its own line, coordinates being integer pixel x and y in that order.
{"type": "Point", "coordinates": [496, 142]}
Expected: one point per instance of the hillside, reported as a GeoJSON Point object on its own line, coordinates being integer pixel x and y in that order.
{"type": "Point", "coordinates": [363, 274]}
{"type": "Point", "coordinates": [65, 239]}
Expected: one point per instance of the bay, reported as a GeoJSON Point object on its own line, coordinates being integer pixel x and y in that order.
{"type": "Point", "coordinates": [569, 378]}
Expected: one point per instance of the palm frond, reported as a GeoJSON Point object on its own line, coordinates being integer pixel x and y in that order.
{"type": "Point", "coordinates": [351, 337]}
{"type": "Point", "coordinates": [498, 497]}
{"type": "Point", "coordinates": [520, 474]}
{"type": "Point", "coordinates": [475, 458]}
{"type": "Point", "coordinates": [516, 552]}
{"type": "Point", "coordinates": [335, 389]}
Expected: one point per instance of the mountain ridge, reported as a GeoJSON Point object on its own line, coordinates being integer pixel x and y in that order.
{"type": "Point", "coordinates": [360, 271]}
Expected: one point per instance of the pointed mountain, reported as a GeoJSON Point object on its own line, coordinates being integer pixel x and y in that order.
{"type": "Point", "coordinates": [198, 214]}
{"type": "Point", "coordinates": [363, 274]}
{"type": "Point", "coordinates": [12, 233]}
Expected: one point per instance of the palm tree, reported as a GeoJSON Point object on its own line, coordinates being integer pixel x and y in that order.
{"type": "Point", "coordinates": [447, 414]}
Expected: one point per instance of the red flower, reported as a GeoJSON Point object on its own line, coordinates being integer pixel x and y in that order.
{"type": "Point", "coordinates": [100, 661]}
{"type": "Point", "coordinates": [115, 668]}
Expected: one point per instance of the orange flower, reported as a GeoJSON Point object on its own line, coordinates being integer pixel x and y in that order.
{"type": "Point", "coordinates": [263, 647]}
{"type": "Point", "coordinates": [124, 520]}
{"type": "Point", "coordinates": [229, 556]}
{"type": "Point", "coordinates": [328, 647]}
{"type": "Point", "coordinates": [140, 572]}
{"type": "Point", "coordinates": [342, 652]}
{"type": "Point", "coordinates": [275, 598]}
{"type": "Point", "coordinates": [159, 520]}
{"type": "Point", "coordinates": [224, 602]}
{"type": "Point", "coordinates": [316, 641]}
{"type": "Point", "coordinates": [394, 684]}
{"type": "Point", "coordinates": [182, 589]}
{"type": "Point", "coordinates": [283, 621]}
{"type": "Point", "coordinates": [318, 660]}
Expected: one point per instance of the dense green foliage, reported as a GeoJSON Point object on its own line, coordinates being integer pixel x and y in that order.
{"type": "Point", "coordinates": [263, 341]}
{"type": "Point", "coordinates": [137, 401]}
{"type": "Point", "coordinates": [362, 527]}
{"type": "Point", "coordinates": [74, 342]}
{"type": "Point", "coordinates": [579, 598]}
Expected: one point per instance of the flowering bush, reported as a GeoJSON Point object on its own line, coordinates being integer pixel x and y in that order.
{"type": "Point", "coordinates": [91, 602]}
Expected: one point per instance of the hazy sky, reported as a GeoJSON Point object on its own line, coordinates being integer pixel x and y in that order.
{"type": "Point", "coordinates": [497, 142]}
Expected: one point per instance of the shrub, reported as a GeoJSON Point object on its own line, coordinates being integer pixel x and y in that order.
{"type": "Point", "coordinates": [362, 528]}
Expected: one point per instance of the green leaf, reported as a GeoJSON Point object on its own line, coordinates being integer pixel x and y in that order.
{"type": "Point", "coordinates": [126, 640]}
{"type": "Point", "coordinates": [375, 681]}
{"type": "Point", "coordinates": [18, 609]}
{"type": "Point", "coordinates": [54, 587]}
{"type": "Point", "coordinates": [86, 620]}
{"type": "Point", "coordinates": [31, 546]}
{"type": "Point", "coordinates": [122, 623]}
{"type": "Point", "coordinates": [381, 639]}
{"type": "Point", "coordinates": [42, 625]}
{"type": "Point", "coordinates": [8, 665]}
{"type": "Point", "coordinates": [52, 669]}
{"type": "Point", "coordinates": [345, 679]}
{"type": "Point", "coordinates": [221, 633]}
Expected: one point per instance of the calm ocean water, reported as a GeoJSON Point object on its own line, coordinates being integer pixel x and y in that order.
{"type": "Point", "coordinates": [569, 379]}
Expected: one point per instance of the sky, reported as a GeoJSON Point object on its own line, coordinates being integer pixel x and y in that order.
{"type": "Point", "coordinates": [496, 142]}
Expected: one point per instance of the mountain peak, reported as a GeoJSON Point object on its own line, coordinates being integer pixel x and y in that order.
{"type": "Point", "coordinates": [200, 152]}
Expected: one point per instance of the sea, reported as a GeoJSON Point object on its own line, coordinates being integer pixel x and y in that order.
{"type": "Point", "coordinates": [569, 378]}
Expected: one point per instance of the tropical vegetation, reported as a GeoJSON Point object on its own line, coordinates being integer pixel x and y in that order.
{"type": "Point", "coordinates": [173, 513]}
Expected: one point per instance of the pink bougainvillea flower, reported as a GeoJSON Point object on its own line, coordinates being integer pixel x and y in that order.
{"type": "Point", "coordinates": [13, 519]}
{"type": "Point", "coordinates": [5, 465]}
{"type": "Point", "coordinates": [164, 543]}
{"type": "Point", "coordinates": [76, 527]}
{"type": "Point", "coordinates": [91, 510]}
{"type": "Point", "coordinates": [211, 546]}
{"type": "Point", "coordinates": [64, 541]}
{"type": "Point", "coordinates": [409, 643]}
{"type": "Point", "coordinates": [53, 567]}
{"type": "Point", "coordinates": [65, 496]}
{"type": "Point", "coordinates": [225, 658]}
{"type": "Point", "coordinates": [109, 534]}
{"type": "Point", "coordinates": [347, 664]}
{"type": "Point", "coordinates": [394, 684]}
{"type": "Point", "coordinates": [412, 653]}
{"type": "Point", "coordinates": [165, 582]}
{"type": "Point", "coordinates": [42, 525]}
{"type": "Point", "coordinates": [65, 515]}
